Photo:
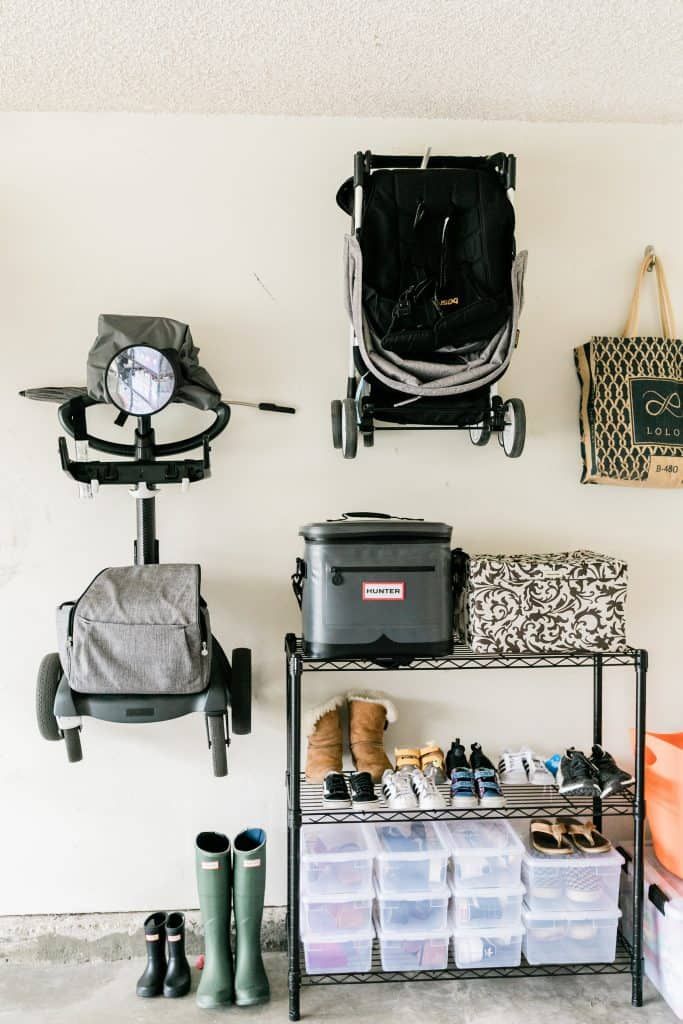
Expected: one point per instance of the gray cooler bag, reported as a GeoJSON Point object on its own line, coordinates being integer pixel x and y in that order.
{"type": "Point", "coordinates": [375, 586]}
{"type": "Point", "coordinates": [137, 629]}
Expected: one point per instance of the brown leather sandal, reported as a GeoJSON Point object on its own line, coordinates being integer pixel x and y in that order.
{"type": "Point", "coordinates": [550, 836]}
{"type": "Point", "coordinates": [406, 757]}
{"type": "Point", "coordinates": [585, 836]}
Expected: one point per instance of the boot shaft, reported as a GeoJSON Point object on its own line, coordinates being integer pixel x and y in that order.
{"type": "Point", "coordinates": [369, 715]}
{"type": "Point", "coordinates": [249, 882]}
{"type": "Point", "coordinates": [323, 728]}
{"type": "Point", "coordinates": [214, 873]}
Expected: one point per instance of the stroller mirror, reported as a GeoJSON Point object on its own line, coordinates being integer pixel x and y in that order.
{"type": "Point", "coordinates": [140, 380]}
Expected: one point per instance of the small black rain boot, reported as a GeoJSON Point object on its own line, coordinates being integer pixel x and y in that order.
{"type": "Point", "coordinates": [178, 978]}
{"type": "Point", "coordinates": [151, 981]}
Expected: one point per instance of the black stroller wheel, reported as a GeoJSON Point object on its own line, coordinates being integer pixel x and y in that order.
{"type": "Point", "coordinates": [47, 683]}
{"type": "Point", "coordinates": [513, 434]}
{"type": "Point", "coordinates": [480, 433]}
{"type": "Point", "coordinates": [336, 414]}
{"type": "Point", "coordinates": [219, 751]}
{"type": "Point", "coordinates": [368, 438]}
{"type": "Point", "coordinates": [240, 691]}
{"type": "Point", "coordinates": [349, 425]}
{"type": "Point", "coordinates": [72, 739]}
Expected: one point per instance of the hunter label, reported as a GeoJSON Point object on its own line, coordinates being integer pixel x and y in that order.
{"type": "Point", "coordinates": [657, 411]}
{"type": "Point", "coordinates": [380, 591]}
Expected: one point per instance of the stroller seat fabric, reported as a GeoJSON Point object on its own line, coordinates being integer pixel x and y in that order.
{"type": "Point", "coordinates": [135, 630]}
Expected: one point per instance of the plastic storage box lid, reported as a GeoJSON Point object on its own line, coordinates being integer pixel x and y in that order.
{"type": "Point", "coordinates": [510, 931]}
{"type": "Point", "coordinates": [570, 915]}
{"type": "Point", "coordinates": [481, 892]}
{"type": "Point", "coordinates": [371, 528]}
{"type": "Point", "coordinates": [338, 897]}
{"type": "Point", "coordinates": [408, 841]}
{"type": "Point", "coordinates": [471, 838]}
{"type": "Point", "coordinates": [335, 842]}
{"type": "Point", "coordinates": [402, 934]}
{"type": "Point", "coordinates": [533, 859]}
{"type": "Point", "coordinates": [656, 874]}
{"type": "Point", "coordinates": [417, 897]}
{"type": "Point", "coordinates": [364, 935]}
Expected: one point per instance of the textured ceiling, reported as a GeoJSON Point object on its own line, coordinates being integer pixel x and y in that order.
{"type": "Point", "coordinates": [550, 60]}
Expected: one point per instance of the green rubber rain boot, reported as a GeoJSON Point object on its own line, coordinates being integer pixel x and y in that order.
{"type": "Point", "coordinates": [249, 883]}
{"type": "Point", "coordinates": [212, 859]}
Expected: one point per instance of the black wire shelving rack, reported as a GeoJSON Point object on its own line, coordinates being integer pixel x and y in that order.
{"type": "Point", "coordinates": [522, 802]}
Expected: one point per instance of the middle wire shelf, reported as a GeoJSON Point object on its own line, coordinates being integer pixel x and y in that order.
{"type": "Point", "coordinates": [520, 802]}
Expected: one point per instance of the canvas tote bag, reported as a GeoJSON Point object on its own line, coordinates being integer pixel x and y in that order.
{"type": "Point", "coordinates": [631, 413]}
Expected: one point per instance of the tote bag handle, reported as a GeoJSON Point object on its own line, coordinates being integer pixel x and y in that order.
{"type": "Point", "coordinates": [649, 261]}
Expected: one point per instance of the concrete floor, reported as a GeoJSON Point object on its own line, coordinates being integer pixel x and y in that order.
{"type": "Point", "coordinates": [104, 993]}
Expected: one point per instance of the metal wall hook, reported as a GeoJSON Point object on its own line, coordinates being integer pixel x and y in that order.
{"type": "Point", "coordinates": [650, 252]}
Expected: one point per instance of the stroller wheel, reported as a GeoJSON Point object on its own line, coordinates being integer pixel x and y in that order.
{"type": "Point", "coordinates": [349, 425]}
{"type": "Point", "coordinates": [219, 752]}
{"type": "Point", "coordinates": [336, 412]}
{"type": "Point", "coordinates": [47, 683]}
{"type": "Point", "coordinates": [480, 434]}
{"type": "Point", "coordinates": [240, 691]}
{"type": "Point", "coordinates": [513, 433]}
{"type": "Point", "coordinates": [72, 739]}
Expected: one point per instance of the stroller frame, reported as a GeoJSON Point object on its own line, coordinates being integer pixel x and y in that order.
{"type": "Point", "coordinates": [357, 413]}
{"type": "Point", "coordinates": [60, 708]}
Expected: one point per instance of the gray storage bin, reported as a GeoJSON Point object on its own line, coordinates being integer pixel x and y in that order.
{"type": "Point", "coordinates": [377, 587]}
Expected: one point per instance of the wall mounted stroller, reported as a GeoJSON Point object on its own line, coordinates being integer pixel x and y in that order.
{"type": "Point", "coordinates": [137, 646]}
{"type": "Point", "coordinates": [434, 290]}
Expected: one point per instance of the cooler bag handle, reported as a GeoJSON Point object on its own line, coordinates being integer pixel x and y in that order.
{"type": "Point", "coordinates": [298, 577]}
{"type": "Point", "coordinates": [375, 515]}
{"type": "Point", "coordinates": [651, 261]}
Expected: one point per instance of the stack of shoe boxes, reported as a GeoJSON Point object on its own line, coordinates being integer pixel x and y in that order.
{"type": "Point", "coordinates": [571, 911]}
{"type": "Point", "coordinates": [487, 893]}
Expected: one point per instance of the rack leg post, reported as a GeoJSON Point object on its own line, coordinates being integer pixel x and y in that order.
{"type": "Point", "coordinates": [293, 831]}
{"type": "Point", "coordinates": [638, 832]}
{"type": "Point", "coordinates": [597, 728]}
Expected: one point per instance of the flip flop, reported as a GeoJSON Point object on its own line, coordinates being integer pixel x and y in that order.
{"type": "Point", "coordinates": [585, 836]}
{"type": "Point", "coordinates": [550, 837]}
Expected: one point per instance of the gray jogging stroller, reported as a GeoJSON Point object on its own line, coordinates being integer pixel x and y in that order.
{"type": "Point", "coordinates": [137, 645]}
{"type": "Point", "coordinates": [434, 292]}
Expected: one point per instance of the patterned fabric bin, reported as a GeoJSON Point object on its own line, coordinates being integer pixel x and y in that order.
{"type": "Point", "coordinates": [574, 601]}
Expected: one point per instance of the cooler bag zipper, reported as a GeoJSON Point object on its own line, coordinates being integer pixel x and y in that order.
{"type": "Point", "coordinates": [337, 571]}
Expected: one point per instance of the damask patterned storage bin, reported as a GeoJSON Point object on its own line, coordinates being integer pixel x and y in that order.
{"type": "Point", "coordinates": [574, 601]}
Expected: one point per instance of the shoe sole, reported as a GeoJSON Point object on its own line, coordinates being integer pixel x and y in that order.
{"type": "Point", "coordinates": [492, 801]}
{"type": "Point", "coordinates": [432, 805]}
{"type": "Point", "coordinates": [364, 805]}
{"type": "Point", "coordinates": [578, 789]}
{"type": "Point", "coordinates": [464, 802]}
{"type": "Point", "coordinates": [336, 805]}
{"type": "Point", "coordinates": [401, 805]}
{"type": "Point", "coordinates": [615, 787]}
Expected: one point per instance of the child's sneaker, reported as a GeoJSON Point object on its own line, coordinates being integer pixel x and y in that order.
{"type": "Point", "coordinates": [363, 796]}
{"type": "Point", "coordinates": [398, 792]}
{"type": "Point", "coordinates": [335, 792]}
{"type": "Point", "coordinates": [536, 770]}
{"type": "Point", "coordinates": [424, 788]}
{"type": "Point", "coordinates": [463, 793]}
{"type": "Point", "coordinates": [485, 779]}
{"type": "Point", "coordinates": [512, 768]}
{"type": "Point", "coordinates": [611, 778]}
{"type": "Point", "coordinates": [576, 776]}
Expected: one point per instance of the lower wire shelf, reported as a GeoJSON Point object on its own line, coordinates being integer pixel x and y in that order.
{"type": "Point", "coordinates": [622, 964]}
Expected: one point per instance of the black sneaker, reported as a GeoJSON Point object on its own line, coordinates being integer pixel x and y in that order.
{"type": "Point", "coordinates": [611, 778]}
{"type": "Point", "coordinates": [363, 796]}
{"type": "Point", "coordinates": [576, 776]}
{"type": "Point", "coordinates": [486, 781]}
{"type": "Point", "coordinates": [335, 792]}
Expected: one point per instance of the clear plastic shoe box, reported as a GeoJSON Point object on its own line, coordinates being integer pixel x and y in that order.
{"type": "Point", "coordinates": [409, 857]}
{"type": "Point", "coordinates": [417, 910]}
{"type": "Point", "coordinates": [485, 854]}
{"type": "Point", "coordinates": [336, 912]}
{"type": "Point", "coordinates": [572, 882]}
{"type": "Point", "coordinates": [336, 859]}
{"type": "Point", "coordinates": [410, 949]}
{"type": "Point", "coordinates": [570, 937]}
{"type": "Point", "coordinates": [341, 953]}
{"type": "Point", "coordinates": [479, 948]}
{"type": "Point", "coordinates": [486, 908]}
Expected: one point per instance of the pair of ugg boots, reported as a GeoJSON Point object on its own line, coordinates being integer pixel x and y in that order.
{"type": "Point", "coordinates": [237, 876]}
{"type": "Point", "coordinates": [369, 715]}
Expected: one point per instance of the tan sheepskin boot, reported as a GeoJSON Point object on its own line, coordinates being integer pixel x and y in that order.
{"type": "Point", "coordinates": [369, 715]}
{"type": "Point", "coordinates": [323, 728]}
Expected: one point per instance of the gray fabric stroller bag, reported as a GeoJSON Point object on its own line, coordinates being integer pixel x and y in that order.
{"type": "Point", "coordinates": [137, 629]}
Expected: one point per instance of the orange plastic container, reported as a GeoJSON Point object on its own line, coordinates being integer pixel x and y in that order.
{"type": "Point", "coordinates": [664, 796]}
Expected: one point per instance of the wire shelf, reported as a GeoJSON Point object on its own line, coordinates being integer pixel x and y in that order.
{"type": "Point", "coordinates": [521, 802]}
{"type": "Point", "coordinates": [622, 965]}
{"type": "Point", "coordinates": [460, 657]}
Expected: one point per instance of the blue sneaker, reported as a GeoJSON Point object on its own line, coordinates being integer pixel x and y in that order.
{"type": "Point", "coordinates": [486, 784]}
{"type": "Point", "coordinates": [463, 793]}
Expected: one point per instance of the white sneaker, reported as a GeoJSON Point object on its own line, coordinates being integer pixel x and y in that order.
{"type": "Point", "coordinates": [397, 790]}
{"type": "Point", "coordinates": [424, 788]}
{"type": "Point", "coordinates": [512, 769]}
{"type": "Point", "coordinates": [537, 772]}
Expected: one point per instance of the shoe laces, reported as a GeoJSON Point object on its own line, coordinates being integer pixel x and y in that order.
{"type": "Point", "coordinates": [361, 785]}
{"type": "Point", "coordinates": [335, 784]}
{"type": "Point", "coordinates": [400, 783]}
{"type": "Point", "coordinates": [513, 760]}
{"type": "Point", "coordinates": [423, 784]}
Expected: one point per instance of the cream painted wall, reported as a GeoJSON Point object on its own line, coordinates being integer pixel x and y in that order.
{"type": "Point", "coordinates": [185, 216]}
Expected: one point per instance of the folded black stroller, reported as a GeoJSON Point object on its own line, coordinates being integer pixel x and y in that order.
{"type": "Point", "coordinates": [434, 293]}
